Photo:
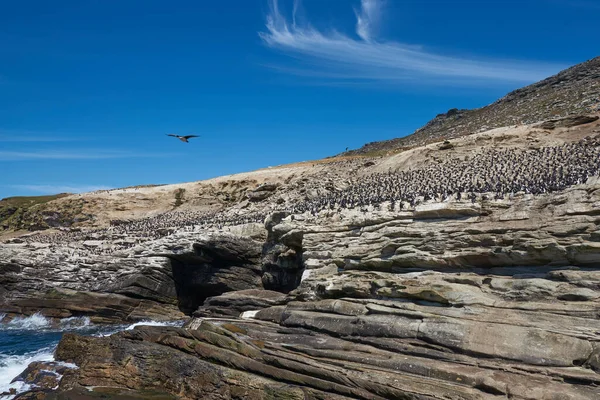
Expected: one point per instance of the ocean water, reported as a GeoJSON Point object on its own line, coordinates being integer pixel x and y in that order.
{"type": "Point", "coordinates": [34, 338]}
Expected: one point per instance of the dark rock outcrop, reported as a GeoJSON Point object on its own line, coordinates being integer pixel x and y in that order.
{"type": "Point", "coordinates": [218, 264]}
{"type": "Point", "coordinates": [569, 122]}
{"type": "Point", "coordinates": [161, 279]}
{"type": "Point", "coordinates": [261, 193]}
{"type": "Point", "coordinates": [447, 145]}
{"type": "Point", "coordinates": [282, 255]}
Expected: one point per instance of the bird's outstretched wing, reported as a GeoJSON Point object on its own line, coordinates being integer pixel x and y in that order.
{"type": "Point", "coordinates": [190, 136]}
{"type": "Point", "coordinates": [173, 135]}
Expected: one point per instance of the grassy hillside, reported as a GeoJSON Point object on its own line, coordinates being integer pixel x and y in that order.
{"type": "Point", "coordinates": [573, 91]}
{"type": "Point", "coordinates": [30, 213]}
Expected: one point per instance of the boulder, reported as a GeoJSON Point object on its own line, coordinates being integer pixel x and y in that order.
{"type": "Point", "coordinates": [569, 122]}
{"type": "Point", "coordinates": [262, 192]}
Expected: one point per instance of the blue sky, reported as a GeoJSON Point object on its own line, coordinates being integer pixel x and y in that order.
{"type": "Point", "coordinates": [89, 89]}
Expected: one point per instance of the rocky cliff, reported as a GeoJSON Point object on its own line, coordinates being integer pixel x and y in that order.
{"type": "Point", "coordinates": [450, 300]}
{"type": "Point", "coordinates": [462, 295]}
{"type": "Point", "coordinates": [462, 269]}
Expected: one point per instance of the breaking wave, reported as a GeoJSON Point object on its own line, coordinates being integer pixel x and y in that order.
{"type": "Point", "coordinates": [12, 365]}
{"type": "Point", "coordinates": [24, 340]}
{"type": "Point", "coordinates": [140, 323]}
{"type": "Point", "coordinates": [74, 323]}
{"type": "Point", "coordinates": [33, 322]}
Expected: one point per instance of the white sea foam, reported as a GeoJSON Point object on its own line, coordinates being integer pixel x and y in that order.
{"type": "Point", "coordinates": [38, 322]}
{"type": "Point", "coordinates": [19, 387]}
{"type": "Point", "coordinates": [33, 322]}
{"type": "Point", "coordinates": [67, 365]}
{"type": "Point", "coordinates": [11, 366]}
{"type": "Point", "coordinates": [75, 323]}
{"type": "Point", "coordinates": [141, 323]}
{"type": "Point", "coordinates": [154, 323]}
{"type": "Point", "coordinates": [249, 314]}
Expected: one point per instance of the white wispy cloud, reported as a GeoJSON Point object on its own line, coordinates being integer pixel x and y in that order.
{"type": "Point", "coordinates": [33, 139]}
{"type": "Point", "coordinates": [10, 135]}
{"type": "Point", "coordinates": [65, 188]}
{"type": "Point", "coordinates": [84, 154]}
{"type": "Point", "coordinates": [368, 18]}
{"type": "Point", "coordinates": [335, 55]}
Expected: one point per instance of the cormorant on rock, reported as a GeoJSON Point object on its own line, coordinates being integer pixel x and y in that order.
{"type": "Point", "coordinates": [183, 138]}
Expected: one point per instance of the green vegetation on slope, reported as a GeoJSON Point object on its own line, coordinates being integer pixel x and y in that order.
{"type": "Point", "coordinates": [32, 213]}
{"type": "Point", "coordinates": [179, 194]}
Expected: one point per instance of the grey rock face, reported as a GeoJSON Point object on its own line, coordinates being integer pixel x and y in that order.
{"type": "Point", "coordinates": [318, 355]}
{"type": "Point", "coordinates": [282, 255]}
{"type": "Point", "coordinates": [155, 281]}
{"type": "Point", "coordinates": [546, 230]}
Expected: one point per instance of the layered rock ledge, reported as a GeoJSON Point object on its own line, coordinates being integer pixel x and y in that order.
{"type": "Point", "coordinates": [463, 297]}
{"type": "Point", "coordinates": [455, 300]}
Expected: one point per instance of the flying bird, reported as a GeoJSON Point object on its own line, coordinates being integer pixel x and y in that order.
{"type": "Point", "coordinates": [183, 138]}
